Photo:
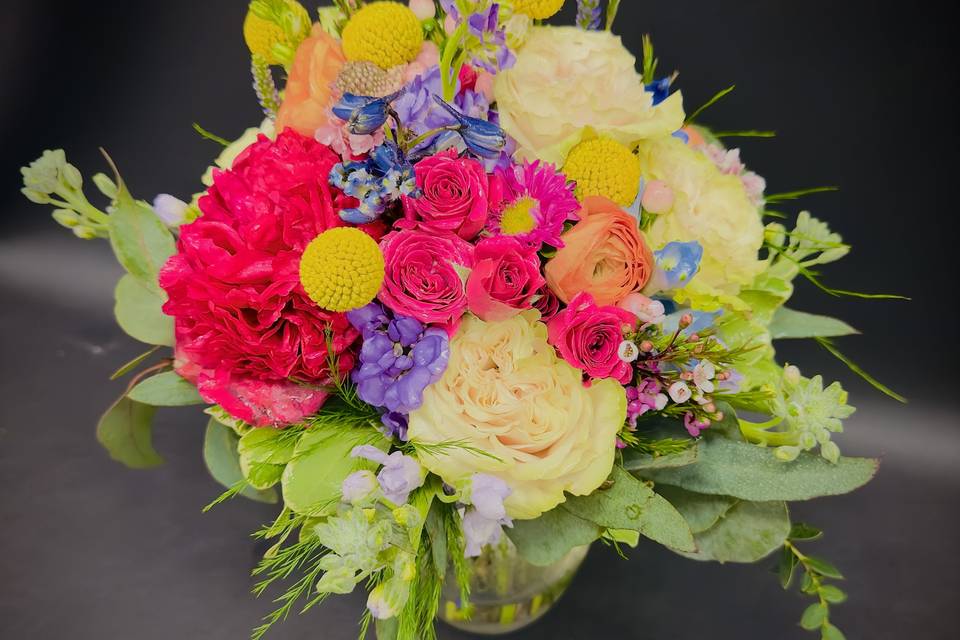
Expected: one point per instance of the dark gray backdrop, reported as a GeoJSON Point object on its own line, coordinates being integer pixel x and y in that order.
{"type": "Point", "coordinates": [862, 96]}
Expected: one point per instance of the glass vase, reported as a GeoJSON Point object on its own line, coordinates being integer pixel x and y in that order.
{"type": "Point", "coordinates": [507, 592]}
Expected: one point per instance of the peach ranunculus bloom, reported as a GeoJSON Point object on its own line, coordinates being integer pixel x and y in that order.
{"type": "Point", "coordinates": [604, 254]}
{"type": "Point", "coordinates": [309, 93]}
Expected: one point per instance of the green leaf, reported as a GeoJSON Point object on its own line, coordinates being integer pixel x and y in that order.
{"type": "Point", "coordinates": [140, 240]}
{"type": "Point", "coordinates": [803, 531]}
{"type": "Point", "coordinates": [853, 366]}
{"type": "Point", "coordinates": [788, 562]}
{"type": "Point", "coordinates": [709, 103]}
{"type": "Point", "coordinates": [321, 460]}
{"type": "Point", "coordinates": [133, 364]}
{"type": "Point", "coordinates": [700, 511]}
{"type": "Point", "coordinates": [832, 594]}
{"type": "Point", "coordinates": [274, 446]}
{"type": "Point", "coordinates": [823, 567]}
{"type": "Point", "coordinates": [546, 539]}
{"type": "Point", "coordinates": [630, 504]}
{"type": "Point", "coordinates": [124, 431]}
{"type": "Point", "coordinates": [386, 629]}
{"type": "Point", "coordinates": [138, 311]}
{"type": "Point", "coordinates": [830, 632]}
{"type": "Point", "coordinates": [748, 532]}
{"type": "Point", "coordinates": [729, 468]}
{"type": "Point", "coordinates": [260, 475]}
{"type": "Point", "coordinates": [166, 389]}
{"type": "Point", "coordinates": [793, 195]}
{"type": "Point", "coordinates": [223, 462]}
{"type": "Point", "coordinates": [813, 617]}
{"type": "Point", "coordinates": [438, 537]}
{"type": "Point", "coordinates": [635, 461]}
{"type": "Point", "coordinates": [788, 323]}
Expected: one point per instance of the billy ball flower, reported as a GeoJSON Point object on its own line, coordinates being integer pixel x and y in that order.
{"type": "Point", "coordinates": [262, 33]}
{"type": "Point", "coordinates": [384, 33]}
{"type": "Point", "coordinates": [604, 167]}
{"type": "Point", "coordinates": [342, 269]}
{"type": "Point", "coordinates": [538, 9]}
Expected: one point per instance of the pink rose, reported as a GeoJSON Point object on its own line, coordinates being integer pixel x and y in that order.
{"type": "Point", "coordinates": [505, 277]}
{"type": "Point", "coordinates": [548, 304]}
{"type": "Point", "coordinates": [588, 337]}
{"type": "Point", "coordinates": [421, 279]}
{"type": "Point", "coordinates": [454, 195]}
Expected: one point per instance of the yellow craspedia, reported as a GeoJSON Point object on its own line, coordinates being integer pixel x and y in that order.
{"type": "Point", "coordinates": [537, 9]}
{"type": "Point", "coordinates": [604, 167]}
{"type": "Point", "coordinates": [384, 33]}
{"type": "Point", "coordinates": [342, 269]}
{"type": "Point", "coordinates": [261, 34]}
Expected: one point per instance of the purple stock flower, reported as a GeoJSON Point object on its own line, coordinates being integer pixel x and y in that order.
{"type": "Point", "coordinates": [483, 523]}
{"type": "Point", "coordinates": [588, 14]}
{"type": "Point", "coordinates": [399, 474]}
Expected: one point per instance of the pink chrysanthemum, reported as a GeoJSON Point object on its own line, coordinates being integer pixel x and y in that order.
{"type": "Point", "coordinates": [537, 201]}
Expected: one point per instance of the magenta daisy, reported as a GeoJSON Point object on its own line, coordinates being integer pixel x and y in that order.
{"type": "Point", "coordinates": [538, 200]}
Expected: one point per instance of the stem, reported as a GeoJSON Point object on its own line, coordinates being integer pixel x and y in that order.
{"type": "Point", "coordinates": [412, 144]}
{"type": "Point", "coordinates": [449, 75]}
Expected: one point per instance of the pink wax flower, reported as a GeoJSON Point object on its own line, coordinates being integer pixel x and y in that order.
{"type": "Point", "coordinates": [246, 332]}
{"type": "Point", "coordinates": [454, 195]}
{"type": "Point", "coordinates": [588, 337]}
{"type": "Point", "coordinates": [421, 279]}
{"type": "Point", "coordinates": [505, 277]}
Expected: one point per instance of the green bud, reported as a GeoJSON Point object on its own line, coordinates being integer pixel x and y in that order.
{"type": "Point", "coordinates": [84, 232]}
{"type": "Point", "coordinates": [830, 451]}
{"type": "Point", "coordinates": [786, 453]}
{"type": "Point", "coordinates": [106, 186]}
{"type": "Point", "coordinates": [807, 441]}
{"type": "Point", "coordinates": [35, 196]}
{"type": "Point", "coordinates": [67, 218]}
{"type": "Point", "coordinates": [261, 9]}
{"type": "Point", "coordinates": [71, 177]}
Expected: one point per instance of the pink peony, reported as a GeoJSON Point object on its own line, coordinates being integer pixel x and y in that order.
{"type": "Point", "coordinates": [246, 332]}
{"type": "Point", "coordinates": [454, 195]}
{"type": "Point", "coordinates": [421, 278]}
{"type": "Point", "coordinates": [505, 277]}
{"type": "Point", "coordinates": [588, 337]}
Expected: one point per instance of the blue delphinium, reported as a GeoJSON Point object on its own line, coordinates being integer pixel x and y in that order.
{"type": "Point", "coordinates": [483, 138]}
{"type": "Point", "coordinates": [677, 263]}
{"type": "Point", "coordinates": [364, 114]}
{"type": "Point", "coordinates": [376, 182]}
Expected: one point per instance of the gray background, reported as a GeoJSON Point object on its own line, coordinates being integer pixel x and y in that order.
{"type": "Point", "coordinates": [862, 96]}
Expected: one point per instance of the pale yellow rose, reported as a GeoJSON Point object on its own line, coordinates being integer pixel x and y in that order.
{"type": "Point", "coordinates": [566, 79]}
{"type": "Point", "coordinates": [507, 393]}
{"type": "Point", "coordinates": [709, 207]}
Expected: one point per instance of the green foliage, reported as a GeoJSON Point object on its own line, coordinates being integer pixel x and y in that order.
{"type": "Point", "coordinates": [139, 314]}
{"type": "Point", "coordinates": [133, 364]}
{"type": "Point", "coordinates": [650, 61]}
{"type": "Point", "coordinates": [646, 452]}
{"type": "Point", "coordinates": [612, 7]}
{"type": "Point", "coordinates": [752, 133]}
{"type": "Point", "coordinates": [166, 389]}
{"type": "Point", "coordinates": [125, 432]}
{"type": "Point", "coordinates": [746, 532]}
{"type": "Point", "coordinates": [729, 468]}
{"type": "Point", "coordinates": [50, 179]}
{"type": "Point", "coordinates": [210, 136]}
{"type": "Point", "coordinates": [223, 461]}
{"type": "Point", "coordinates": [816, 573]}
{"type": "Point", "coordinates": [853, 366]}
{"type": "Point", "coordinates": [548, 538]}
{"type": "Point", "coordinates": [701, 511]}
{"type": "Point", "coordinates": [716, 97]}
{"type": "Point", "coordinates": [628, 503]}
{"type": "Point", "coordinates": [788, 323]}
{"type": "Point", "coordinates": [793, 195]}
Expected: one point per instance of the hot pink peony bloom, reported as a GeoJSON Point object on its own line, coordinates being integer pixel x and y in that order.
{"type": "Point", "coordinates": [537, 201]}
{"type": "Point", "coordinates": [246, 332]}
{"type": "Point", "coordinates": [421, 279]}
{"type": "Point", "coordinates": [505, 277]}
{"type": "Point", "coordinates": [588, 337]}
{"type": "Point", "coordinates": [455, 193]}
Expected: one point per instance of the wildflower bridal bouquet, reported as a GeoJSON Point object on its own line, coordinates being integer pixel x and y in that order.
{"type": "Point", "coordinates": [477, 293]}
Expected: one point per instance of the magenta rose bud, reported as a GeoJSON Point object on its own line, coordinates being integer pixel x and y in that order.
{"type": "Point", "coordinates": [454, 195]}
{"type": "Point", "coordinates": [588, 337]}
{"type": "Point", "coordinates": [548, 304]}
{"type": "Point", "coordinates": [505, 278]}
{"type": "Point", "coordinates": [421, 278]}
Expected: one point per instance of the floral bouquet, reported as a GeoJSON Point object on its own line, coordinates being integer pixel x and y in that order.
{"type": "Point", "coordinates": [475, 294]}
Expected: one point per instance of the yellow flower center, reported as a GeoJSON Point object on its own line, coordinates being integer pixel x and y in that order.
{"type": "Point", "coordinates": [384, 33]}
{"type": "Point", "coordinates": [604, 167]}
{"type": "Point", "coordinates": [342, 269]}
{"type": "Point", "coordinates": [518, 217]}
{"type": "Point", "coordinates": [537, 9]}
{"type": "Point", "coordinates": [261, 34]}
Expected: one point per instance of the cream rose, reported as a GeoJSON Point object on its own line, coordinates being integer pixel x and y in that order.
{"type": "Point", "coordinates": [709, 207]}
{"type": "Point", "coordinates": [566, 79]}
{"type": "Point", "coordinates": [507, 393]}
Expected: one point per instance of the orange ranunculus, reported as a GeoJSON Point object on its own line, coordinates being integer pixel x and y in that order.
{"type": "Point", "coordinates": [604, 254]}
{"type": "Point", "coordinates": [309, 94]}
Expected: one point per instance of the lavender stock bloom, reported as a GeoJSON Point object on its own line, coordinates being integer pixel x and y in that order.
{"type": "Point", "coordinates": [588, 14]}
{"type": "Point", "coordinates": [483, 523]}
{"type": "Point", "coordinates": [399, 475]}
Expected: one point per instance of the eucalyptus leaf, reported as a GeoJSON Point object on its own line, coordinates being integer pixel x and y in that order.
{"type": "Point", "coordinates": [125, 432]}
{"type": "Point", "coordinates": [546, 539]}
{"type": "Point", "coordinates": [824, 567]}
{"type": "Point", "coordinates": [321, 460]}
{"type": "Point", "coordinates": [223, 461]}
{"type": "Point", "coordinates": [747, 532]}
{"type": "Point", "coordinates": [167, 389]}
{"type": "Point", "coordinates": [140, 240]}
{"type": "Point", "coordinates": [701, 511]}
{"type": "Point", "coordinates": [629, 503]}
{"type": "Point", "coordinates": [138, 311]}
{"type": "Point", "coordinates": [788, 323]}
{"type": "Point", "coordinates": [830, 632]}
{"type": "Point", "coordinates": [813, 616]}
{"type": "Point", "coordinates": [729, 468]}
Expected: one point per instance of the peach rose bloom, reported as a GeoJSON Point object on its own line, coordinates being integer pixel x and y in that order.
{"type": "Point", "coordinates": [309, 93]}
{"type": "Point", "coordinates": [604, 254]}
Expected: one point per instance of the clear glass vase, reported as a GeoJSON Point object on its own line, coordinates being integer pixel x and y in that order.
{"type": "Point", "coordinates": [506, 591]}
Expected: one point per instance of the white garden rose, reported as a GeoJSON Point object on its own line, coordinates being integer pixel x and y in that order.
{"type": "Point", "coordinates": [507, 393]}
{"type": "Point", "coordinates": [566, 79]}
{"type": "Point", "coordinates": [709, 207]}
